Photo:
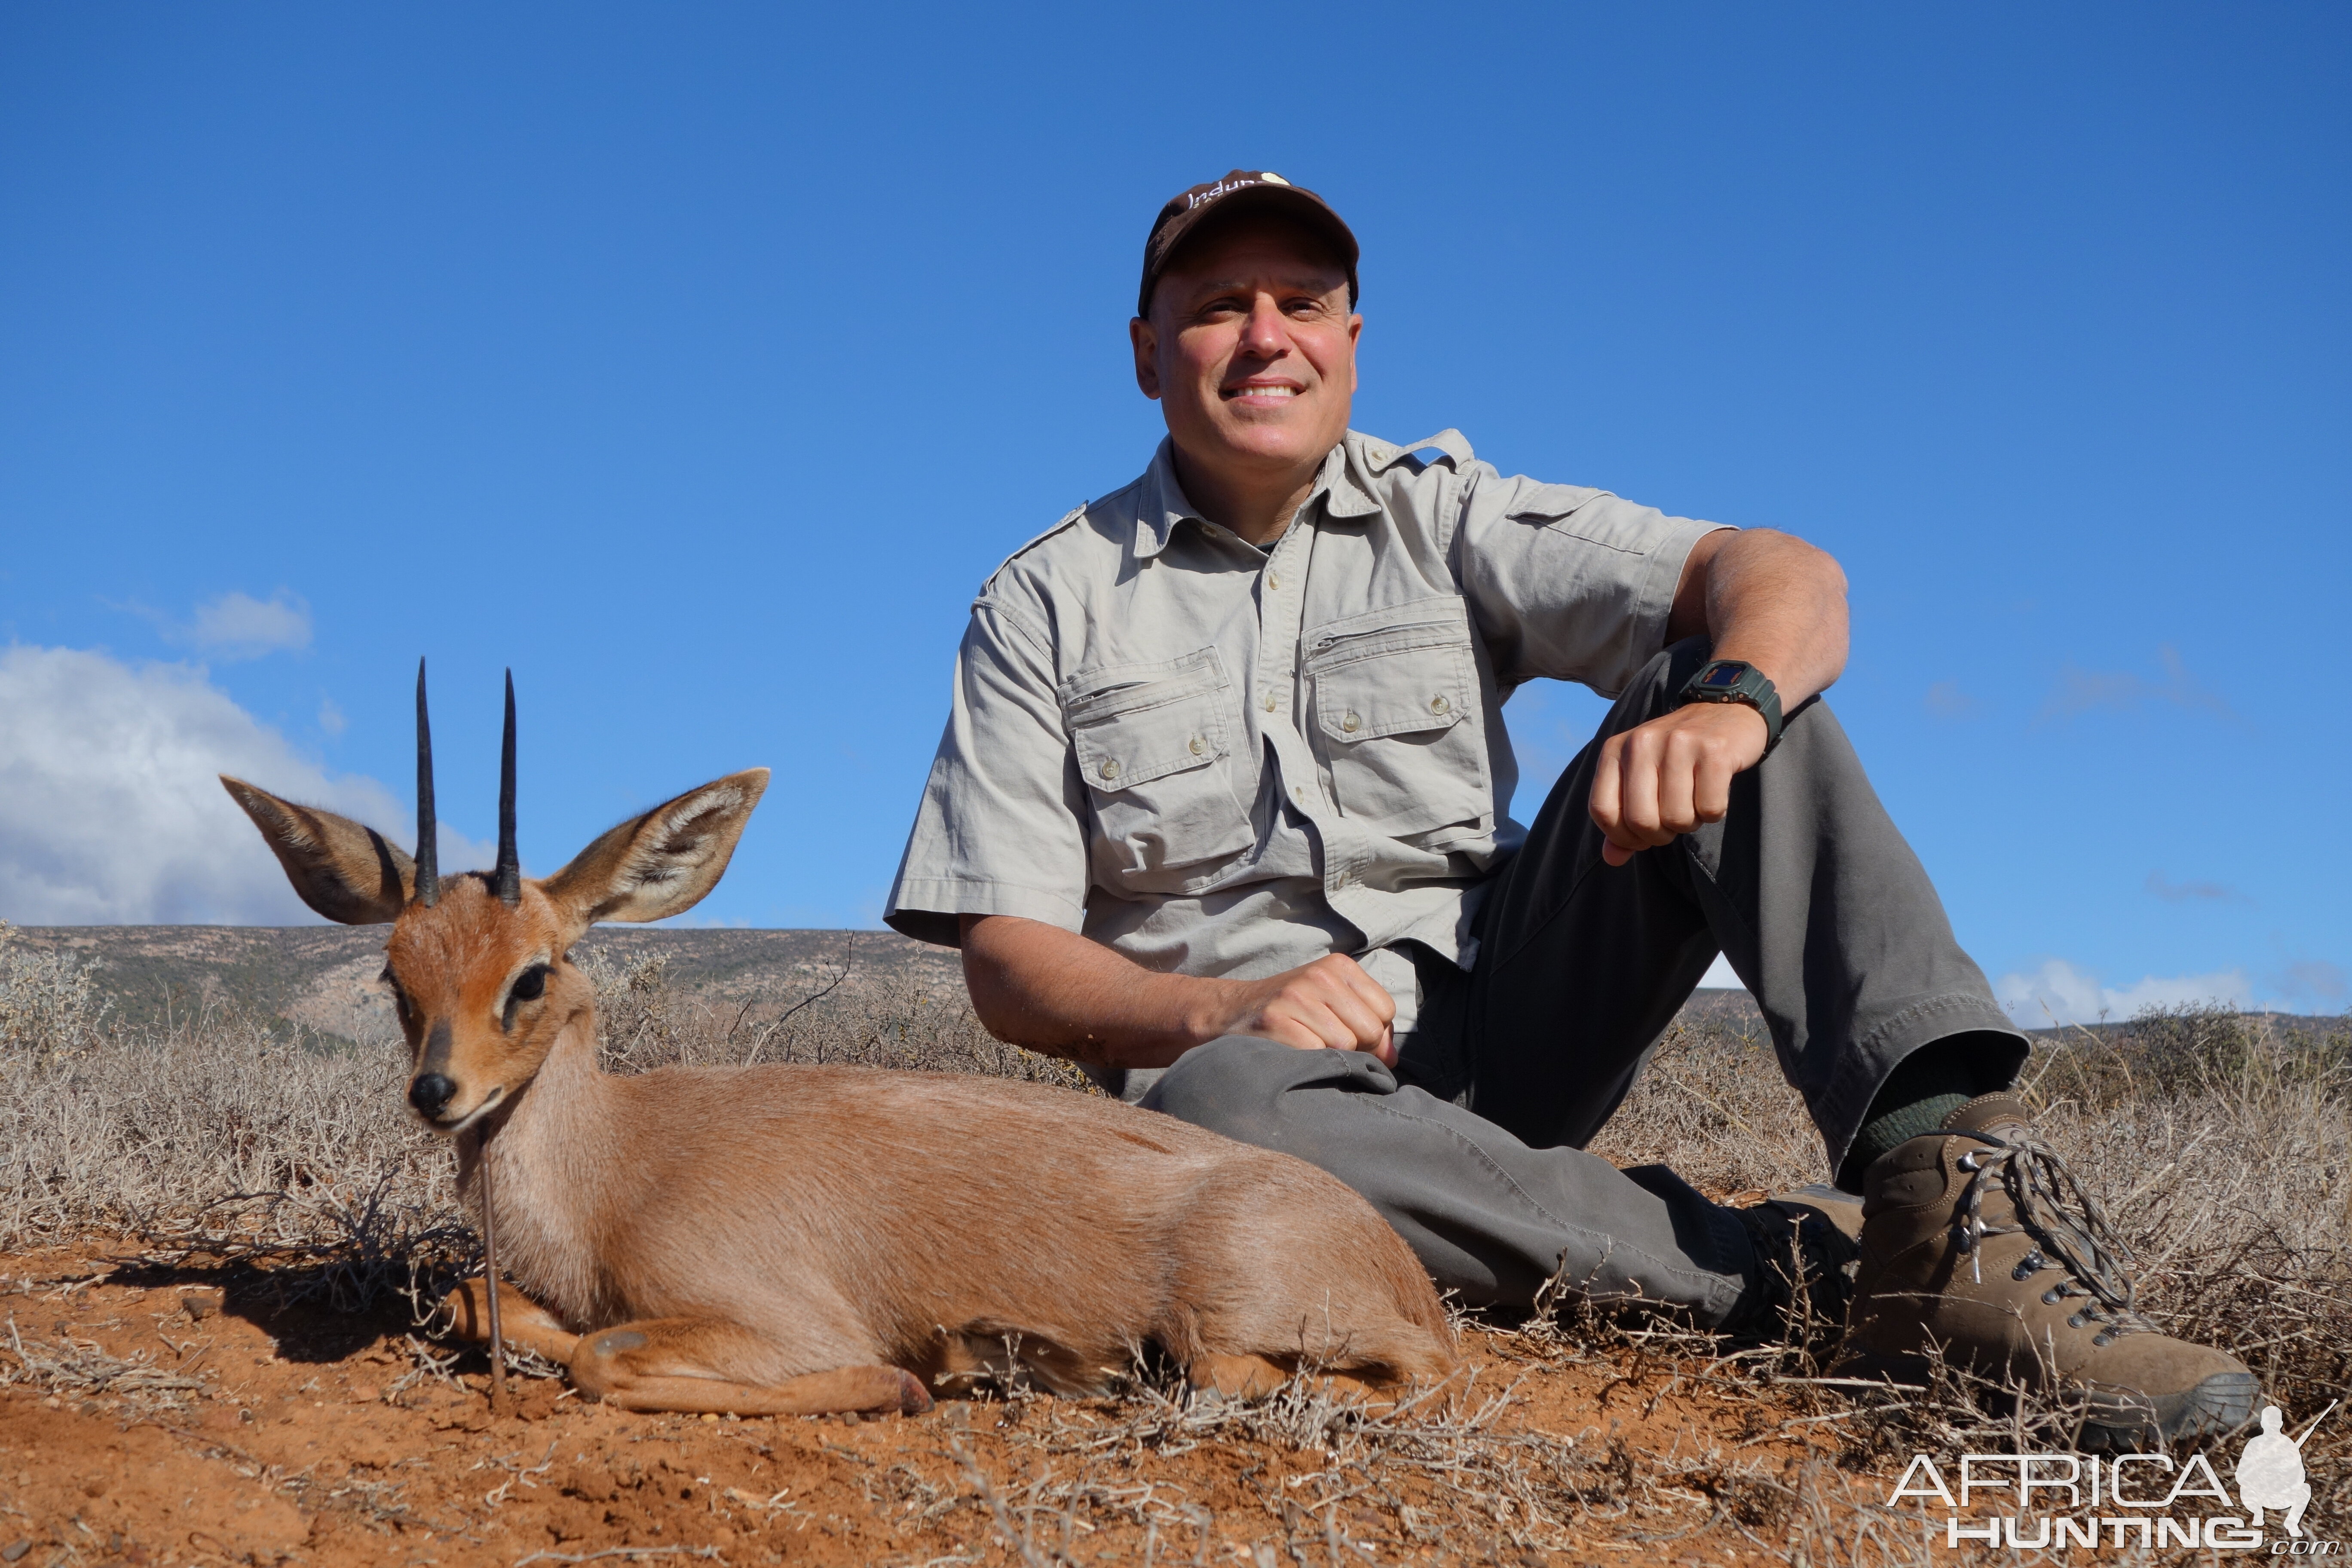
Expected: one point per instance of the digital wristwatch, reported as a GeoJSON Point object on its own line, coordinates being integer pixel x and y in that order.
{"type": "Point", "coordinates": [1731, 681]}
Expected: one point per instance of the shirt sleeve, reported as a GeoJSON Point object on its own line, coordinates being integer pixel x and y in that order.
{"type": "Point", "coordinates": [1001, 828]}
{"type": "Point", "coordinates": [1568, 583]}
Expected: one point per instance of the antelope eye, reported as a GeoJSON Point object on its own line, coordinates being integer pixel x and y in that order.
{"type": "Point", "coordinates": [531, 984]}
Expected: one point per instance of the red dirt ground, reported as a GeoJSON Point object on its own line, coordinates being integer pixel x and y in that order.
{"type": "Point", "coordinates": [294, 1446]}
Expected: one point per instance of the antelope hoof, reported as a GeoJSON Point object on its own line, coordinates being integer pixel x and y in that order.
{"type": "Point", "coordinates": [913, 1398]}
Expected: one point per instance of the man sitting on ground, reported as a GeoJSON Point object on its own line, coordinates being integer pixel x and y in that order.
{"type": "Point", "coordinates": [1222, 812]}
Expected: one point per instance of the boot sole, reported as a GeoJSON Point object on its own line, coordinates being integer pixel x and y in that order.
{"type": "Point", "coordinates": [2221, 1404]}
{"type": "Point", "coordinates": [2115, 1419]}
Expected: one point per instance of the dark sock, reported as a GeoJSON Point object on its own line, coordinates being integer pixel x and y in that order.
{"type": "Point", "coordinates": [1925, 1088]}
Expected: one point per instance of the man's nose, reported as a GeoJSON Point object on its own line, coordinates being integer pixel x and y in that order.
{"type": "Point", "coordinates": [1267, 334]}
{"type": "Point", "coordinates": [431, 1093]}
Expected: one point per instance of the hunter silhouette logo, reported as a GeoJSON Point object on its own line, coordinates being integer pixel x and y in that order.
{"type": "Point", "coordinates": [2270, 1472]}
{"type": "Point", "coordinates": [2148, 1501]}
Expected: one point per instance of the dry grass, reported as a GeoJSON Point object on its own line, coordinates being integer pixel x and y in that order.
{"type": "Point", "coordinates": [2219, 1143]}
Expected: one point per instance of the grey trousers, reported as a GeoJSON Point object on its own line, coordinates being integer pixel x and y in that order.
{"type": "Point", "coordinates": [1474, 1147]}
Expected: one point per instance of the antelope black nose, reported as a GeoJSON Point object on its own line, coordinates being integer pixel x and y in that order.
{"type": "Point", "coordinates": [430, 1092]}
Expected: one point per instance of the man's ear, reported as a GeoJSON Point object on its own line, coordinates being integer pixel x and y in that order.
{"type": "Point", "coordinates": [660, 864]}
{"type": "Point", "coordinates": [348, 873]}
{"type": "Point", "coordinates": [1145, 340]}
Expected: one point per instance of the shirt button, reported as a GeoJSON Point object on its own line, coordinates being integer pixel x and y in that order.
{"type": "Point", "coordinates": [1110, 769]}
{"type": "Point", "coordinates": [1438, 705]}
{"type": "Point", "coordinates": [1299, 794]}
{"type": "Point", "coordinates": [1273, 578]}
{"type": "Point", "coordinates": [1351, 723]}
{"type": "Point", "coordinates": [1198, 745]}
{"type": "Point", "coordinates": [1269, 703]}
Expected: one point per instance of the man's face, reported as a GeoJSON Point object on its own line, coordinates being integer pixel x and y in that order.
{"type": "Point", "coordinates": [1251, 350]}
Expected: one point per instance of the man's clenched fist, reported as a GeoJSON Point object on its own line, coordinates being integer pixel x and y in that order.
{"type": "Point", "coordinates": [1329, 1005]}
{"type": "Point", "coordinates": [1662, 778]}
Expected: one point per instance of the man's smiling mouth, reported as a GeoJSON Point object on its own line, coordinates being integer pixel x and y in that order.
{"type": "Point", "coordinates": [1280, 390]}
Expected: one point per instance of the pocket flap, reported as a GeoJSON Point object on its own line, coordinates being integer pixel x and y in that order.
{"type": "Point", "coordinates": [1395, 671]}
{"type": "Point", "coordinates": [1551, 502]}
{"type": "Point", "coordinates": [1130, 724]}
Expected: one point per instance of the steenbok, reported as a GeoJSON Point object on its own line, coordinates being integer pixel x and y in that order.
{"type": "Point", "coordinates": [788, 1240]}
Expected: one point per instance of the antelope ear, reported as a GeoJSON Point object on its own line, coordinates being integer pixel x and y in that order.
{"type": "Point", "coordinates": [660, 864]}
{"type": "Point", "coordinates": [348, 873]}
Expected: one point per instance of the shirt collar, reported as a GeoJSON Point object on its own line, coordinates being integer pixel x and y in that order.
{"type": "Point", "coordinates": [1162, 504]}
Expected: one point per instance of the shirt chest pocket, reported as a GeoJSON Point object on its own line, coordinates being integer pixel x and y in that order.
{"type": "Point", "coordinates": [1154, 744]}
{"type": "Point", "coordinates": [1398, 722]}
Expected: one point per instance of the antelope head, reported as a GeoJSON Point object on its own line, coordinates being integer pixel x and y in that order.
{"type": "Point", "coordinates": [479, 965]}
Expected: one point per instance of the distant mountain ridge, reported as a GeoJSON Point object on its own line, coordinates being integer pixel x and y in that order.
{"type": "Point", "coordinates": [324, 977]}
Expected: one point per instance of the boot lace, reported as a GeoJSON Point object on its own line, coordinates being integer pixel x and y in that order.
{"type": "Point", "coordinates": [2069, 1230]}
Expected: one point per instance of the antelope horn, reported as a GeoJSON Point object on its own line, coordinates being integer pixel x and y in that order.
{"type": "Point", "coordinates": [428, 859]}
{"type": "Point", "coordinates": [507, 882]}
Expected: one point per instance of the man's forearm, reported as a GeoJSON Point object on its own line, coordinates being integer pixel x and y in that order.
{"type": "Point", "coordinates": [1051, 990]}
{"type": "Point", "coordinates": [1770, 600]}
{"type": "Point", "coordinates": [1766, 599]}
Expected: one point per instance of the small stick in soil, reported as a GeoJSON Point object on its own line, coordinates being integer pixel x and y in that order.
{"type": "Point", "coordinates": [490, 1275]}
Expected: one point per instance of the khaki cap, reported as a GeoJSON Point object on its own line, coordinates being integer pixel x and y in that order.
{"type": "Point", "coordinates": [1241, 187]}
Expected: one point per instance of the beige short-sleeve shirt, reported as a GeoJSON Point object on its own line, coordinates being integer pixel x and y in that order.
{"type": "Point", "coordinates": [1222, 760]}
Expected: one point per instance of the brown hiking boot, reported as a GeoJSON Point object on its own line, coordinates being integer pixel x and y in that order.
{"type": "Point", "coordinates": [1841, 1208]}
{"type": "Point", "coordinates": [1978, 1240]}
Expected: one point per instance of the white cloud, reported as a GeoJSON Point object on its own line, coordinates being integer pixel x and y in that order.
{"type": "Point", "coordinates": [2314, 977]}
{"type": "Point", "coordinates": [1945, 699]}
{"type": "Point", "coordinates": [2058, 993]}
{"type": "Point", "coordinates": [2173, 892]}
{"type": "Point", "coordinates": [109, 812]}
{"type": "Point", "coordinates": [1720, 974]}
{"type": "Point", "coordinates": [238, 625]}
{"type": "Point", "coordinates": [2080, 691]}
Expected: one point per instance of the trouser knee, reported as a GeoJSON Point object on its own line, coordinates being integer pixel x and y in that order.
{"type": "Point", "coordinates": [1236, 1085]}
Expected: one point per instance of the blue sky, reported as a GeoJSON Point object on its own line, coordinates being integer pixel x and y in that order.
{"type": "Point", "coordinates": [699, 362]}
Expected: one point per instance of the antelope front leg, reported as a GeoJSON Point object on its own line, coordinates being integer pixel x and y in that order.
{"type": "Point", "coordinates": [522, 1321]}
{"type": "Point", "coordinates": [1255, 1377]}
{"type": "Point", "coordinates": [680, 1363]}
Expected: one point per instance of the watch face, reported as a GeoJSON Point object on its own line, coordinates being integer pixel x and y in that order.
{"type": "Point", "coordinates": [1722, 677]}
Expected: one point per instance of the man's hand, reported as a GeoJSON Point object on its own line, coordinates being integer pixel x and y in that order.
{"type": "Point", "coordinates": [1663, 779]}
{"type": "Point", "coordinates": [1765, 598]}
{"type": "Point", "coordinates": [1329, 1005]}
{"type": "Point", "coordinates": [1052, 990]}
